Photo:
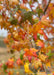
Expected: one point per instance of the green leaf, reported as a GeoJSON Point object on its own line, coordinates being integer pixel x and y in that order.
{"type": "Point", "coordinates": [50, 54]}
{"type": "Point", "coordinates": [19, 7]}
{"type": "Point", "coordinates": [28, 16]}
{"type": "Point", "coordinates": [11, 18]}
{"type": "Point", "coordinates": [16, 8]}
{"type": "Point", "coordinates": [39, 11]}
{"type": "Point", "coordinates": [4, 67]}
{"type": "Point", "coordinates": [0, 2]}
{"type": "Point", "coordinates": [38, 36]}
{"type": "Point", "coordinates": [21, 56]}
{"type": "Point", "coordinates": [35, 0]}
{"type": "Point", "coordinates": [30, 2]}
{"type": "Point", "coordinates": [23, 10]}
{"type": "Point", "coordinates": [36, 20]}
{"type": "Point", "coordinates": [14, 21]}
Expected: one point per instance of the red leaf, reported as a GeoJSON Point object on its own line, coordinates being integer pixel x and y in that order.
{"type": "Point", "coordinates": [31, 6]}
{"type": "Point", "coordinates": [53, 73]}
{"type": "Point", "coordinates": [35, 36]}
{"type": "Point", "coordinates": [19, 62]}
{"type": "Point", "coordinates": [40, 43]}
{"type": "Point", "coordinates": [29, 58]}
{"type": "Point", "coordinates": [6, 41]}
{"type": "Point", "coordinates": [34, 54]}
{"type": "Point", "coordinates": [24, 1]}
{"type": "Point", "coordinates": [45, 36]}
{"type": "Point", "coordinates": [23, 37]}
{"type": "Point", "coordinates": [40, 31]}
{"type": "Point", "coordinates": [1, 65]}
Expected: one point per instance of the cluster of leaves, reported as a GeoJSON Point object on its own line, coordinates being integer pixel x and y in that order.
{"type": "Point", "coordinates": [25, 28]}
{"type": "Point", "coordinates": [28, 16]}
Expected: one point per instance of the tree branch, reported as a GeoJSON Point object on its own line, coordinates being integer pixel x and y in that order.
{"type": "Point", "coordinates": [38, 2]}
{"type": "Point", "coordinates": [47, 6]}
{"type": "Point", "coordinates": [51, 38]}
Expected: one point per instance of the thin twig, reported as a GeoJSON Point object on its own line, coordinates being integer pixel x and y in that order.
{"type": "Point", "coordinates": [44, 67]}
{"type": "Point", "coordinates": [30, 7]}
{"type": "Point", "coordinates": [38, 2]}
{"type": "Point", "coordinates": [47, 6]}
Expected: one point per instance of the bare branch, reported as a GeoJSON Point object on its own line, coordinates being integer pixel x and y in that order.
{"type": "Point", "coordinates": [47, 6]}
{"type": "Point", "coordinates": [38, 2]}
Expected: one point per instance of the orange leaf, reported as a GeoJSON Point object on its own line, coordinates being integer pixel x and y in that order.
{"type": "Point", "coordinates": [40, 43]}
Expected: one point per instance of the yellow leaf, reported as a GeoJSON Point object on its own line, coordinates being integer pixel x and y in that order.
{"type": "Point", "coordinates": [1, 7]}
{"type": "Point", "coordinates": [42, 57]}
{"type": "Point", "coordinates": [26, 67]}
{"type": "Point", "coordinates": [48, 64]}
{"type": "Point", "coordinates": [13, 2]}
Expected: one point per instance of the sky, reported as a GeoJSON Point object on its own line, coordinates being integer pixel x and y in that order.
{"type": "Point", "coordinates": [4, 32]}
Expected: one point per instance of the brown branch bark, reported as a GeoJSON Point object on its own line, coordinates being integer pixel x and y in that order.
{"type": "Point", "coordinates": [47, 6]}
